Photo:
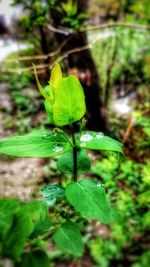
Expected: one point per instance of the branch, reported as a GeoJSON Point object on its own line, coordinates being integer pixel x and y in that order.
{"type": "Point", "coordinates": [63, 31]}
{"type": "Point", "coordinates": [128, 130]}
{"type": "Point", "coordinates": [116, 24]}
{"type": "Point", "coordinates": [44, 66]}
{"type": "Point", "coordinates": [41, 56]}
{"type": "Point", "coordinates": [75, 50]}
{"type": "Point", "coordinates": [67, 32]}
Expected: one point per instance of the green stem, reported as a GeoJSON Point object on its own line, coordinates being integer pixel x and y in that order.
{"type": "Point", "coordinates": [75, 172]}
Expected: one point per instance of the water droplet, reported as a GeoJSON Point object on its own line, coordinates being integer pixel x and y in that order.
{"type": "Point", "coordinates": [86, 137]}
{"type": "Point", "coordinates": [83, 144]}
{"type": "Point", "coordinates": [50, 201]}
{"type": "Point", "coordinates": [99, 184]}
{"type": "Point", "coordinates": [57, 148]}
{"type": "Point", "coordinates": [99, 135]}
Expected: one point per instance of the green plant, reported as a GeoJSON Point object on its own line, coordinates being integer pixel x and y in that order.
{"type": "Point", "coordinates": [73, 18]}
{"type": "Point", "coordinates": [28, 225]}
{"type": "Point", "coordinates": [125, 59]}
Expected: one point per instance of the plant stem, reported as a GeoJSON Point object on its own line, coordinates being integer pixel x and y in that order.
{"type": "Point", "coordinates": [75, 172]}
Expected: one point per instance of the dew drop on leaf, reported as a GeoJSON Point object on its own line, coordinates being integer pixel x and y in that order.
{"type": "Point", "coordinates": [99, 135]}
{"type": "Point", "coordinates": [99, 184]}
{"type": "Point", "coordinates": [50, 201]}
{"type": "Point", "coordinates": [86, 137]}
{"type": "Point", "coordinates": [82, 144]}
{"type": "Point", "coordinates": [57, 148]}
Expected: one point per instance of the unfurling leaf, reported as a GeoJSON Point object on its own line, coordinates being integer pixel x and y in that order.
{"type": "Point", "coordinates": [64, 98]}
{"type": "Point", "coordinates": [69, 105]}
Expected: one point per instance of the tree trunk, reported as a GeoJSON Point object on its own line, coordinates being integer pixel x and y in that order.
{"type": "Point", "coordinates": [82, 64]}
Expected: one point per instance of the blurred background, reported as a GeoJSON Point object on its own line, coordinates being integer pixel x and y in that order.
{"type": "Point", "coordinates": [106, 44]}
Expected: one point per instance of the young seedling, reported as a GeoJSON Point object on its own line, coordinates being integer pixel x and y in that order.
{"type": "Point", "coordinates": [81, 198]}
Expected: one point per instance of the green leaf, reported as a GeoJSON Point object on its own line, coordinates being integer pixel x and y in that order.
{"type": "Point", "coordinates": [51, 193]}
{"type": "Point", "coordinates": [20, 230]}
{"type": "Point", "coordinates": [38, 144]}
{"type": "Point", "coordinates": [97, 141]}
{"type": "Point", "coordinates": [36, 209]}
{"type": "Point", "coordinates": [89, 199]}
{"type": "Point", "coordinates": [37, 258]}
{"type": "Point", "coordinates": [7, 209]}
{"type": "Point", "coordinates": [68, 239]}
{"type": "Point", "coordinates": [56, 75]}
{"type": "Point", "coordinates": [49, 110]}
{"type": "Point", "coordinates": [65, 163]}
{"type": "Point", "coordinates": [38, 83]}
{"type": "Point", "coordinates": [42, 227]}
{"type": "Point", "coordinates": [39, 214]}
{"type": "Point", "coordinates": [69, 105]}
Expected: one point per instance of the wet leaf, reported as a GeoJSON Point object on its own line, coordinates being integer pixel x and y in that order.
{"type": "Point", "coordinates": [89, 199]}
{"type": "Point", "coordinates": [38, 144]}
{"type": "Point", "coordinates": [51, 193]}
{"type": "Point", "coordinates": [98, 141]}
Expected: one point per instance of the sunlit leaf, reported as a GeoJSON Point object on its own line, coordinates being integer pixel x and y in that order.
{"type": "Point", "coordinates": [69, 105]}
{"type": "Point", "coordinates": [56, 75]}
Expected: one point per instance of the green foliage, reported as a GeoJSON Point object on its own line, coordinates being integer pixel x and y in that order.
{"type": "Point", "coordinates": [64, 98]}
{"type": "Point", "coordinates": [36, 258]}
{"type": "Point", "coordinates": [128, 187]}
{"type": "Point", "coordinates": [97, 141]}
{"type": "Point", "coordinates": [72, 17]}
{"type": "Point", "coordinates": [65, 163]}
{"type": "Point", "coordinates": [28, 225]}
{"type": "Point", "coordinates": [120, 57]}
{"type": "Point", "coordinates": [6, 218]}
{"type": "Point", "coordinates": [70, 8]}
{"type": "Point", "coordinates": [51, 193]}
{"type": "Point", "coordinates": [92, 202]}
{"type": "Point", "coordinates": [69, 102]}
{"type": "Point", "coordinates": [20, 230]}
{"type": "Point", "coordinates": [39, 143]}
{"type": "Point", "coordinates": [68, 239]}
{"type": "Point", "coordinates": [18, 222]}
{"type": "Point", "coordinates": [26, 228]}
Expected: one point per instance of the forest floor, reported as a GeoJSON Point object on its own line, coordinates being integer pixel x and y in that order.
{"type": "Point", "coordinates": [18, 177]}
